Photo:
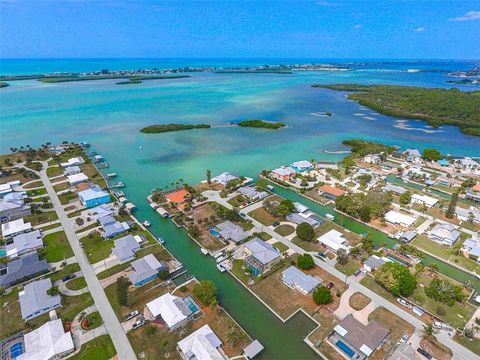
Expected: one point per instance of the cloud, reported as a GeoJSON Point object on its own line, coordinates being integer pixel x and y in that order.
{"type": "Point", "coordinates": [327, 3]}
{"type": "Point", "coordinates": [469, 16]}
{"type": "Point", "coordinates": [420, 29]}
{"type": "Point", "coordinates": [358, 26]}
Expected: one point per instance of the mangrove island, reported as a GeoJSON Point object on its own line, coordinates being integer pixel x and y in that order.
{"type": "Point", "coordinates": [261, 124]}
{"type": "Point", "coordinates": [161, 128]}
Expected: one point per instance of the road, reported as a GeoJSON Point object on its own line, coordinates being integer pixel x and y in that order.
{"type": "Point", "coordinates": [459, 352]}
{"type": "Point", "coordinates": [113, 326]}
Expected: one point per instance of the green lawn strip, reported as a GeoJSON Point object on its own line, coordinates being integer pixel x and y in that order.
{"type": "Point", "coordinates": [66, 197]}
{"type": "Point", "coordinates": [56, 247]}
{"type": "Point", "coordinates": [86, 228]}
{"type": "Point", "coordinates": [66, 270]}
{"type": "Point", "coordinates": [280, 246]}
{"type": "Point", "coordinates": [369, 282]}
{"type": "Point", "coordinates": [264, 236]}
{"type": "Point", "coordinates": [94, 320]}
{"type": "Point", "coordinates": [76, 284]}
{"type": "Point", "coordinates": [53, 171]}
{"type": "Point", "coordinates": [100, 348]}
{"type": "Point", "coordinates": [472, 344]}
{"type": "Point", "coordinates": [51, 226]}
{"type": "Point", "coordinates": [91, 171]}
{"type": "Point", "coordinates": [96, 248]}
{"type": "Point", "coordinates": [62, 186]}
{"type": "Point", "coordinates": [34, 184]}
{"type": "Point", "coordinates": [237, 201]}
{"type": "Point", "coordinates": [285, 229]}
{"type": "Point", "coordinates": [307, 245]}
{"type": "Point", "coordinates": [42, 217]}
{"type": "Point", "coordinates": [36, 192]}
{"type": "Point", "coordinates": [350, 267]}
{"type": "Point", "coordinates": [41, 199]}
{"type": "Point", "coordinates": [263, 216]}
{"type": "Point", "coordinates": [239, 272]}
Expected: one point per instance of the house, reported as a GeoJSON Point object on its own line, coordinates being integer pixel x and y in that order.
{"type": "Point", "coordinates": [93, 197]}
{"type": "Point", "coordinates": [373, 263]}
{"type": "Point", "coordinates": [112, 227]}
{"type": "Point", "coordinates": [172, 310]}
{"type": "Point", "coordinates": [300, 208]}
{"type": "Point", "coordinates": [473, 193]}
{"type": "Point", "coordinates": [15, 227]}
{"type": "Point", "coordinates": [399, 190]}
{"type": "Point", "coordinates": [146, 269]}
{"type": "Point", "coordinates": [8, 187]}
{"type": "Point", "coordinates": [356, 340]}
{"type": "Point", "coordinates": [428, 201]}
{"type": "Point", "coordinates": [71, 170]}
{"type": "Point", "coordinates": [471, 249]}
{"type": "Point", "coordinates": [301, 166]}
{"type": "Point", "coordinates": [202, 344]}
{"type": "Point", "coordinates": [77, 178]}
{"type": "Point", "coordinates": [395, 217]}
{"type": "Point", "coordinates": [125, 248]}
{"type": "Point", "coordinates": [297, 279]}
{"type": "Point", "coordinates": [35, 300]}
{"type": "Point", "coordinates": [443, 162]}
{"type": "Point", "coordinates": [334, 241]}
{"type": "Point", "coordinates": [446, 234]}
{"type": "Point", "coordinates": [470, 214]}
{"type": "Point", "coordinates": [24, 243]}
{"type": "Point", "coordinates": [467, 163]}
{"type": "Point", "coordinates": [283, 173]}
{"type": "Point", "coordinates": [417, 173]}
{"type": "Point", "coordinates": [224, 178]}
{"type": "Point", "coordinates": [260, 256]}
{"type": "Point", "coordinates": [389, 165]}
{"type": "Point", "coordinates": [72, 162]}
{"type": "Point", "coordinates": [326, 165]}
{"type": "Point", "coordinates": [102, 210]}
{"type": "Point", "coordinates": [231, 231]}
{"type": "Point", "coordinates": [412, 155]}
{"type": "Point", "coordinates": [406, 236]}
{"type": "Point", "coordinates": [301, 218]}
{"type": "Point", "coordinates": [21, 269]}
{"type": "Point", "coordinates": [49, 341]}
{"type": "Point", "coordinates": [330, 192]}
{"type": "Point", "coordinates": [178, 197]}
{"type": "Point", "coordinates": [251, 193]}
{"type": "Point", "coordinates": [372, 159]}
{"type": "Point", "coordinates": [13, 207]}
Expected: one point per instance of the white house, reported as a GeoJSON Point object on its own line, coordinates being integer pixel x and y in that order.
{"type": "Point", "coordinates": [15, 227]}
{"type": "Point", "coordinates": [428, 201]}
{"type": "Point", "coordinates": [446, 234]}
{"type": "Point", "coordinates": [334, 240]}
{"type": "Point", "coordinates": [372, 159]}
{"type": "Point", "coordinates": [224, 178]}
{"type": "Point", "coordinates": [171, 309]}
{"type": "Point", "coordinates": [296, 279]}
{"type": "Point", "coordinates": [395, 217]}
{"type": "Point", "coordinates": [202, 344]}
{"type": "Point", "coordinates": [77, 178]}
{"type": "Point", "coordinates": [72, 162]}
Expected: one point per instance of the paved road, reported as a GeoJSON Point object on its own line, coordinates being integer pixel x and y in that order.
{"type": "Point", "coordinates": [459, 352]}
{"type": "Point", "coordinates": [118, 336]}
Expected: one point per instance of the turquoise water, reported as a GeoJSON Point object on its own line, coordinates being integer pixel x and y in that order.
{"type": "Point", "coordinates": [109, 116]}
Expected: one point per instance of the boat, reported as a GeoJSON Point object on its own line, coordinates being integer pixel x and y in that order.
{"type": "Point", "coordinates": [146, 223]}
{"type": "Point", "coordinates": [111, 175]}
{"type": "Point", "coordinates": [221, 268]}
{"type": "Point", "coordinates": [221, 259]}
{"type": "Point", "coordinates": [103, 165]}
{"type": "Point", "coordinates": [160, 240]}
{"type": "Point", "coordinates": [119, 185]}
{"type": "Point", "coordinates": [119, 193]}
{"type": "Point", "coordinates": [204, 251]}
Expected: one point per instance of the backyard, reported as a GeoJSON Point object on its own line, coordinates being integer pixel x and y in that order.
{"type": "Point", "coordinates": [56, 247]}
{"type": "Point", "coordinates": [100, 348]}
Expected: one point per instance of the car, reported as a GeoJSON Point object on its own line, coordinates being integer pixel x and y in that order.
{"type": "Point", "coordinates": [322, 254]}
{"type": "Point", "coordinates": [132, 315]}
{"type": "Point", "coordinates": [68, 277]}
{"type": "Point", "coordinates": [243, 215]}
{"type": "Point", "coordinates": [404, 338]}
{"type": "Point", "coordinates": [275, 224]}
{"type": "Point", "coordinates": [81, 245]}
{"type": "Point", "coordinates": [424, 353]}
{"type": "Point", "coordinates": [330, 285]}
{"type": "Point", "coordinates": [358, 272]}
{"type": "Point", "coordinates": [138, 323]}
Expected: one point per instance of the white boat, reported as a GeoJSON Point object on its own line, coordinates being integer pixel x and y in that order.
{"type": "Point", "coordinates": [221, 268]}
{"type": "Point", "coordinates": [330, 217]}
{"type": "Point", "coordinates": [161, 241]}
{"type": "Point", "coordinates": [221, 259]}
{"type": "Point", "coordinates": [146, 223]}
{"type": "Point", "coordinates": [204, 251]}
{"type": "Point", "coordinates": [111, 175]}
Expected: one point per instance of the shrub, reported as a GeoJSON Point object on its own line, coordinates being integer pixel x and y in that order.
{"type": "Point", "coordinates": [305, 262]}
{"type": "Point", "coordinates": [150, 330]}
{"type": "Point", "coordinates": [163, 275]}
{"type": "Point", "coordinates": [205, 291]}
{"type": "Point", "coordinates": [122, 290]}
{"type": "Point", "coordinates": [445, 292]}
{"type": "Point", "coordinates": [441, 311]}
{"type": "Point", "coordinates": [396, 278]}
{"type": "Point", "coordinates": [322, 296]}
{"type": "Point", "coordinates": [305, 232]}
{"type": "Point", "coordinates": [183, 289]}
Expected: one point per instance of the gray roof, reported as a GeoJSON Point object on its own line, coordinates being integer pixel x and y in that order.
{"type": "Point", "coordinates": [409, 235]}
{"type": "Point", "coordinates": [34, 298]}
{"type": "Point", "coordinates": [252, 193]}
{"type": "Point", "coordinates": [125, 247]}
{"type": "Point", "coordinates": [298, 219]}
{"type": "Point", "coordinates": [472, 245]}
{"type": "Point", "coordinates": [374, 262]}
{"type": "Point", "coordinates": [145, 268]}
{"type": "Point", "coordinates": [262, 251]}
{"type": "Point", "coordinates": [394, 188]}
{"type": "Point", "coordinates": [444, 232]}
{"type": "Point", "coordinates": [114, 229]}
{"type": "Point", "coordinates": [231, 231]}
{"type": "Point", "coordinates": [253, 349]}
{"type": "Point", "coordinates": [13, 200]}
{"type": "Point", "coordinates": [467, 212]}
{"type": "Point", "coordinates": [107, 220]}
{"type": "Point", "coordinates": [296, 278]}
{"type": "Point", "coordinates": [23, 267]}
{"type": "Point", "coordinates": [24, 242]}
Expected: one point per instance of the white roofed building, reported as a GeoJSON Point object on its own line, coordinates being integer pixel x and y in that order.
{"type": "Point", "coordinates": [202, 344]}
{"type": "Point", "coordinates": [334, 240]}
{"type": "Point", "coordinates": [395, 217]}
{"type": "Point", "coordinates": [171, 309]}
{"type": "Point", "coordinates": [72, 162]}
{"type": "Point", "coordinates": [78, 178]}
{"type": "Point", "coordinates": [15, 227]}
{"type": "Point", "coordinates": [428, 201]}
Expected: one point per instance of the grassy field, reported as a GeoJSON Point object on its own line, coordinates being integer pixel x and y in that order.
{"type": "Point", "coordinates": [263, 216]}
{"type": "Point", "coordinates": [69, 269]}
{"type": "Point", "coordinates": [350, 267]}
{"type": "Point", "coordinates": [62, 186]}
{"type": "Point", "coordinates": [91, 171]}
{"type": "Point", "coordinates": [36, 192]}
{"type": "Point", "coordinates": [53, 171]}
{"type": "Point", "coordinates": [56, 247]}
{"type": "Point", "coordinates": [280, 246]}
{"type": "Point", "coordinates": [65, 198]}
{"type": "Point", "coordinates": [264, 236]}
{"type": "Point", "coordinates": [100, 348]}
{"type": "Point", "coordinates": [34, 184]}
{"type": "Point", "coordinates": [40, 218]}
{"type": "Point", "coordinates": [358, 301]}
{"type": "Point", "coordinates": [472, 345]}
{"type": "Point", "coordinates": [96, 248]}
{"type": "Point", "coordinates": [285, 229]}
{"type": "Point", "coordinates": [76, 284]}
{"type": "Point", "coordinates": [94, 320]}
{"type": "Point", "coordinates": [239, 272]}
{"type": "Point", "coordinates": [51, 226]}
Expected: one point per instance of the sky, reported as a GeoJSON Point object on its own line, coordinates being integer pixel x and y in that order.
{"type": "Point", "coordinates": [240, 29]}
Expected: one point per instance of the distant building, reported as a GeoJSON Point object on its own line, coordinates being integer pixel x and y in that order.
{"type": "Point", "coordinates": [251, 193]}
{"type": "Point", "coordinates": [373, 263]}
{"type": "Point", "coordinates": [283, 173]}
{"type": "Point", "coordinates": [71, 170]}
{"type": "Point", "coordinates": [24, 243]}
{"type": "Point", "coordinates": [15, 227]}
{"type": "Point", "coordinates": [8, 187]}
{"type": "Point", "coordinates": [112, 227]}
{"type": "Point", "coordinates": [77, 178]}
{"type": "Point", "coordinates": [301, 218]}
{"type": "Point", "coordinates": [396, 189]}
{"type": "Point", "coordinates": [125, 248]}
{"type": "Point", "coordinates": [301, 166]}
{"type": "Point", "coordinates": [471, 249]}
{"type": "Point", "coordinates": [72, 162]}
{"type": "Point", "coordinates": [260, 256]}
{"type": "Point", "coordinates": [178, 198]}
{"type": "Point", "coordinates": [13, 207]}
{"type": "Point", "coordinates": [428, 201]}
{"type": "Point", "coordinates": [202, 344]}
{"type": "Point", "coordinates": [93, 197]}
{"type": "Point", "coordinates": [297, 279]}
{"type": "Point", "coordinates": [35, 300]}
{"type": "Point", "coordinates": [22, 269]}
{"type": "Point", "coordinates": [330, 192]}
{"type": "Point", "coordinates": [172, 310]}
{"type": "Point", "coordinates": [473, 193]}
{"type": "Point", "coordinates": [412, 155]}
{"type": "Point", "coordinates": [395, 217]}
{"type": "Point", "coordinates": [446, 234]}
{"type": "Point", "coordinates": [224, 178]}
{"type": "Point", "coordinates": [146, 269]}
{"type": "Point", "coordinates": [334, 241]}
{"type": "Point", "coordinates": [231, 231]}
{"type": "Point", "coordinates": [443, 162]}
{"type": "Point", "coordinates": [406, 236]}
{"type": "Point", "coordinates": [372, 159]}
{"type": "Point", "coordinates": [471, 214]}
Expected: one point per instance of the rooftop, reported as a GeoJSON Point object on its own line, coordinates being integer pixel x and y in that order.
{"type": "Point", "coordinates": [331, 190]}
{"type": "Point", "coordinates": [262, 251]}
{"type": "Point", "coordinates": [202, 344]}
{"type": "Point", "coordinates": [296, 278]}
{"type": "Point", "coordinates": [34, 298]}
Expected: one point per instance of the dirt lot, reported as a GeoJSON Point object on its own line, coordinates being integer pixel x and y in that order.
{"type": "Point", "coordinates": [202, 216]}
{"type": "Point", "coordinates": [358, 301]}
{"type": "Point", "coordinates": [438, 350]}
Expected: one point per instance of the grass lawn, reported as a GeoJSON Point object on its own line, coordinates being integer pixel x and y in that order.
{"type": "Point", "coordinates": [76, 284]}
{"type": "Point", "coordinates": [65, 198]}
{"type": "Point", "coordinates": [369, 282]}
{"type": "Point", "coordinates": [100, 348]}
{"type": "Point", "coordinates": [237, 201]}
{"type": "Point", "coordinates": [285, 229]}
{"type": "Point", "coordinates": [56, 247]}
{"type": "Point", "coordinates": [54, 171]}
{"type": "Point", "coordinates": [69, 269]}
{"type": "Point", "coordinates": [40, 218]}
{"type": "Point", "coordinates": [264, 236]}
{"type": "Point", "coordinates": [91, 171]}
{"type": "Point", "coordinates": [240, 272]}
{"type": "Point", "coordinates": [280, 246]}
{"type": "Point", "coordinates": [34, 184]}
{"type": "Point", "coordinates": [62, 186]}
{"type": "Point", "coordinates": [96, 248]}
{"type": "Point", "coordinates": [358, 301]}
{"type": "Point", "coordinates": [350, 267]}
{"type": "Point", "coordinates": [94, 320]}
{"type": "Point", "coordinates": [51, 226]}
{"type": "Point", "coordinates": [36, 192]}
{"type": "Point", "coordinates": [73, 305]}
{"type": "Point", "coordinates": [263, 216]}
{"type": "Point", "coordinates": [472, 345]}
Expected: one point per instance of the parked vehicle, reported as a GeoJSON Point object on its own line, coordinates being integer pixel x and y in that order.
{"type": "Point", "coordinates": [68, 277]}
{"type": "Point", "coordinates": [404, 338]}
{"type": "Point", "coordinates": [275, 224]}
{"type": "Point", "coordinates": [132, 315]}
{"type": "Point", "coordinates": [322, 254]}
{"type": "Point", "coordinates": [243, 215]}
{"type": "Point", "coordinates": [358, 272]}
{"type": "Point", "coordinates": [330, 217]}
{"type": "Point", "coordinates": [330, 285]}
{"type": "Point", "coordinates": [424, 353]}
{"type": "Point", "coordinates": [138, 323]}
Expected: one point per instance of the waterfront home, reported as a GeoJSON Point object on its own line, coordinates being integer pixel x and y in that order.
{"type": "Point", "coordinates": [112, 227]}
{"type": "Point", "coordinates": [417, 173]}
{"type": "Point", "coordinates": [49, 341]}
{"type": "Point", "coordinates": [330, 192]}
{"type": "Point", "coordinates": [146, 269]}
{"type": "Point", "coordinates": [300, 208]}
{"type": "Point", "coordinates": [301, 166]}
{"type": "Point", "coordinates": [471, 248]}
{"type": "Point", "coordinates": [283, 173]}
{"type": "Point", "coordinates": [373, 263]}
{"type": "Point", "coordinates": [71, 170]}
{"type": "Point", "coordinates": [299, 218]}
{"type": "Point", "coordinates": [443, 162]}
{"type": "Point", "coordinates": [202, 344]}
{"type": "Point", "coordinates": [13, 207]}
{"type": "Point", "coordinates": [77, 178]}
{"type": "Point", "coordinates": [251, 193]}
{"type": "Point", "coordinates": [396, 189]}
{"type": "Point", "coordinates": [172, 310]}
{"type": "Point", "coordinates": [21, 269]}
{"type": "Point", "coordinates": [357, 341]}
{"type": "Point", "coordinates": [471, 214]}
{"type": "Point", "coordinates": [260, 256]}
{"type": "Point", "coordinates": [412, 155]}
{"type": "Point", "coordinates": [224, 178]}
{"type": "Point", "coordinates": [8, 187]}
{"type": "Point", "coordinates": [297, 279]}
{"type": "Point", "coordinates": [446, 234]}
{"type": "Point", "coordinates": [467, 164]}
{"type": "Point", "coordinates": [178, 198]}
{"type": "Point", "coordinates": [425, 200]}
{"type": "Point", "coordinates": [24, 243]}
{"type": "Point", "coordinates": [125, 248]}
{"type": "Point", "coordinates": [405, 236]}
{"type": "Point", "coordinates": [231, 231]}
{"type": "Point", "coordinates": [93, 197]}
{"type": "Point", "coordinates": [473, 193]}
{"type": "Point", "coordinates": [326, 165]}
{"type": "Point", "coordinates": [334, 241]}
{"type": "Point", "coordinates": [395, 217]}
{"type": "Point", "coordinates": [101, 210]}
{"type": "Point", "coordinates": [73, 162]}
{"type": "Point", "coordinates": [389, 165]}
{"type": "Point", "coordinates": [372, 159]}
{"type": "Point", "coordinates": [15, 227]}
{"type": "Point", "coordinates": [35, 300]}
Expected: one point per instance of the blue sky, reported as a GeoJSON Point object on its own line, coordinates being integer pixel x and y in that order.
{"type": "Point", "coordinates": [286, 29]}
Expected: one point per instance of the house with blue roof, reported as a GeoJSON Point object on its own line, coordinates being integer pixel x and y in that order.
{"type": "Point", "coordinates": [301, 166]}
{"type": "Point", "coordinates": [21, 269]}
{"type": "Point", "coordinates": [93, 197]}
{"type": "Point", "coordinates": [443, 162]}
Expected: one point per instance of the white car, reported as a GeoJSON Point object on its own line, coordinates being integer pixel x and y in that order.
{"type": "Point", "coordinates": [138, 323]}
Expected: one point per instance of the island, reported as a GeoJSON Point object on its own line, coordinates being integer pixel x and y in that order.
{"type": "Point", "coordinates": [131, 79]}
{"type": "Point", "coordinates": [436, 106]}
{"type": "Point", "coordinates": [261, 124]}
{"type": "Point", "coordinates": [3, 84]}
{"type": "Point", "coordinates": [161, 128]}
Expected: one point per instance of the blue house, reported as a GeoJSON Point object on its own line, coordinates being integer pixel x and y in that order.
{"type": "Point", "coordinates": [146, 269]}
{"type": "Point", "coordinates": [93, 197]}
{"type": "Point", "coordinates": [443, 162]}
{"type": "Point", "coordinates": [301, 166]}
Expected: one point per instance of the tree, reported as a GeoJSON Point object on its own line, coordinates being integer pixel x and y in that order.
{"type": "Point", "coordinates": [231, 336]}
{"type": "Point", "coordinates": [122, 290]}
{"type": "Point", "coordinates": [163, 274]}
{"type": "Point", "coordinates": [428, 330]}
{"type": "Point", "coordinates": [285, 208]}
{"type": "Point", "coordinates": [53, 291]}
{"type": "Point", "coordinates": [209, 177]}
{"type": "Point", "coordinates": [305, 262]}
{"type": "Point", "coordinates": [405, 198]}
{"type": "Point", "coordinates": [342, 256]}
{"type": "Point", "coordinates": [261, 184]}
{"type": "Point", "coordinates": [396, 278]}
{"type": "Point", "coordinates": [305, 232]}
{"type": "Point", "coordinates": [367, 243]}
{"type": "Point", "coordinates": [205, 291]}
{"type": "Point", "coordinates": [450, 213]}
{"type": "Point", "coordinates": [322, 296]}
{"type": "Point", "coordinates": [431, 154]}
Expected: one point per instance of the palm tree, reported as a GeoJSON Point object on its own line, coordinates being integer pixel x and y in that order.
{"type": "Point", "coordinates": [433, 268]}
{"type": "Point", "coordinates": [231, 336]}
{"type": "Point", "coordinates": [428, 330]}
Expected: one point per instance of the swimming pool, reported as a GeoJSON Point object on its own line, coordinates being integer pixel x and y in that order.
{"type": "Point", "coordinates": [192, 305]}
{"type": "Point", "coordinates": [3, 253]}
{"type": "Point", "coordinates": [342, 346]}
{"type": "Point", "coordinates": [214, 232]}
{"type": "Point", "coordinates": [16, 350]}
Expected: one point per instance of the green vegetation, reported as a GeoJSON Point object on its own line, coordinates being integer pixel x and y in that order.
{"type": "Point", "coordinates": [349, 267]}
{"type": "Point", "coordinates": [305, 262]}
{"type": "Point", "coordinates": [59, 79]}
{"type": "Point", "coordinates": [445, 292]}
{"type": "Point", "coordinates": [431, 154]}
{"type": "Point", "coordinates": [405, 198]}
{"type": "Point", "coordinates": [396, 278]}
{"type": "Point", "coordinates": [92, 320]}
{"type": "Point", "coordinates": [122, 290]}
{"type": "Point", "coordinates": [56, 247]}
{"type": "Point", "coordinates": [261, 124]}
{"type": "Point", "coordinates": [305, 232]}
{"type": "Point", "coordinates": [206, 292]}
{"type": "Point", "coordinates": [161, 128]}
{"type": "Point", "coordinates": [280, 246]}
{"type": "Point", "coordinates": [285, 229]}
{"type": "Point", "coordinates": [365, 207]}
{"type": "Point", "coordinates": [76, 284]}
{"type": "Point", "coordinates": [283, 209]}
{"type": "Point", "coordinates": [362, 147]}
{"type": "Point", "coordinates": [100, 348]}
{"type": "Point", "coordinates": [436, 106]}
{"type": "Point", "coordinates": [322, 296]}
